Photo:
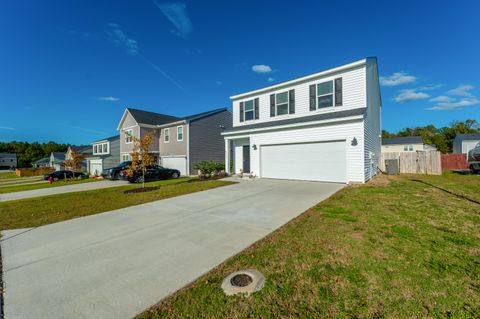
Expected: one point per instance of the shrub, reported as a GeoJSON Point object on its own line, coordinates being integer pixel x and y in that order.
{"type": "Point", "coordinates": [210, 168]}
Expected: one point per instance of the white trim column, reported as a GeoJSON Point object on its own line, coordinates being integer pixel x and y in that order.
{"type": "Point", "coordinates": [227, 156]}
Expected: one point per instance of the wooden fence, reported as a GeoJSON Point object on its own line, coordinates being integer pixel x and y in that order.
{"type": "Point", "coordinates": [454, 161]}
{"type": "Point", "coordinates": [420, 162]}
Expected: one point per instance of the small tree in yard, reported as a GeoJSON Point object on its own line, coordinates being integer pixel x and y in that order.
{"type": "Point", "coordinates": [141, 157]}
{"type": "Point", "coordinates": [74, 162]}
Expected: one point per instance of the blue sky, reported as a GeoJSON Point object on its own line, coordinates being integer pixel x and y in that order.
{"type": "Point", "coordinates": [68, 68]}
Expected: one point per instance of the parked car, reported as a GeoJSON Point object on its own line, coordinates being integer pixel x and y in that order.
{"type": "Point", "coordinates": [59, 175]}
{"type": "Point", "coordinates": [474, 159]}
{"type": "Point", "coordinates": [115, 172]}
{"type": "Point", "coordinates": [155, 173]}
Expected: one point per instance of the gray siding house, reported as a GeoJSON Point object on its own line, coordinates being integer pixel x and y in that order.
{"type": "Point", "coordinates": [105, 153]}
{"type": "Point", "coordinates": [179, 142]}
{"type": "Point", "coordinates": [8, 160]}
{"type": "Point", "coordinates": [463, 143]}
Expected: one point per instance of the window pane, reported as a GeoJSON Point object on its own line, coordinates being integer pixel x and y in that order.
{"type": "Point", "coordinates": [410, 147]}
{"type": "Point", "coordinates": [405, 148]}
{"type": "Point", "coordinates": [325, 88]}
{"type": "Point", "coordinates": [282, 109]}
{"type": "Point", "coordinates": [104, 148]}
{"type": "Point", "coordinates": [249, 105]}
{"type": "Point", "coordinates": [282, 98]}
{"type": "Point", "coordinates": [325, 101]}
{"type": "Point", "coordinates": [248, 115]}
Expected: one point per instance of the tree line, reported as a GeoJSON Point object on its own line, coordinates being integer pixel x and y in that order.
{"type": "Point", "coordinates": [28, 153]}
{"type": "Point", "coordinates": [442, 137]}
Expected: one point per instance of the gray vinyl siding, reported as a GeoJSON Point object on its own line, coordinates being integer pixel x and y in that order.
{"type": "Point", "coordinates": [113, 159]}
{"type": "Point", "coordinates": [206, 141]}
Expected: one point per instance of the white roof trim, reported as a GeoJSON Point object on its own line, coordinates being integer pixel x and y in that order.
{"type": "Point", "coordinates": [123, 118]}
{"type": "Point", "coordinates": [172, 124]}
{"type": "Point", "coordinates": [301, 79]}
{"type": "Point", "coordinates": [287, 126]}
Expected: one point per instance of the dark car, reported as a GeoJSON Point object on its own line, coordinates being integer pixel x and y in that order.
{"type": "Point", "coordinates": [155, 173]}
{"type": "Point", "coordinates": [115, 172]}
{"type": "Point", "coordinates": [58, 175]}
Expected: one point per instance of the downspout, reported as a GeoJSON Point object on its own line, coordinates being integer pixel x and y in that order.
{"type": "Point", "coordinates": [187, 126]}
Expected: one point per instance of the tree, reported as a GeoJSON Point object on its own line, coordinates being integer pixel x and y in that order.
{"type": "Point", "coordinates": [141, 157]}
{"type": "Point", "coordinates": [75, 161]}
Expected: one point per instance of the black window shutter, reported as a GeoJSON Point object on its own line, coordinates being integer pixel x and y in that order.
{"type": "Point", "coordinates": [256, 108]}
{"type": "Point", "coordinates": [241, 111]}
{"type": "Point", "coordinates": [291, 102]}
{"type": "Point", "coordinates": [272, 105]}
{"type": "Point", "coordinates": [338, 92]}
{"type": "Point", "coordinates": [313, 97]}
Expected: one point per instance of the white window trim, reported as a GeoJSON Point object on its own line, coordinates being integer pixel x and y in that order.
{"type": "Point", "coordinates": [99, 148]}
{"type": "Point", "coordinates": [288, 104]}
{"type": "Point", "coordinates": [245, 111]}
{"type": "Point", "coordinates": [320, 95]}
{"type": "Point", "coordinates": [166, 132]}
{"type": "Point", "coordinates": [125, 132]}
{"type": "Point", "coordinates": [180, 127]}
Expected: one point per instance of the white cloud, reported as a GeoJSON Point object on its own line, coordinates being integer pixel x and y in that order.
{"type": "Point", "coordinates": [118, 37]}
{"type": "Point", "coordinates": [270, 79]}
{"type": "Point", "coordinates": [261, 68]}
{"type": "Point", "coordinates": [461, 90]}
{"type": "Point", "coordinates": [451, 105]}
{"type": "Point", "coordinates": [177, 14]}
{"type": "Point", "coordinates": [442, 98]}
{"type": "Point", "coordinates": [397, 78]}
{"type": "Point", "coordinates": [410, 95]}
{"type": "Point", "coordinates": [430, 87]}
{"type": "Point", "coordinates": [109, 98]}
{"type": "Point", "coordinates": [7, 128]}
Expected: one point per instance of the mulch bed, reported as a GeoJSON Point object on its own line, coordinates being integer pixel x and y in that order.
{"type": "Point", "coordinates": [141, 190]}
{"type": "Point", "coordinates": [204, 178]}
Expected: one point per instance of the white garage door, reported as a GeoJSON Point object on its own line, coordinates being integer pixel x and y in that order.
{"type": "Point", "coordinates": [95, 167]}
{"type": "Point", "coordinates": [179, 163]}
{"type": "Point", "coordinates": [320, 161]}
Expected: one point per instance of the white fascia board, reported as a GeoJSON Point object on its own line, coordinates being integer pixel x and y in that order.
{"type": "Point", "coordinates": [301, 79]}
{"type": "Point", "coordinates": [147, 125]}
{"type": "Point", "coordinates": [295, 125]}
{"type": "Point", "coordinates": [171, 124]}
{"type": "Point", "coordinates": [123, 118]}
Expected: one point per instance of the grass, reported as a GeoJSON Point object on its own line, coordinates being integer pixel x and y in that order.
{"type": "Point", "coordinates": [8, 175]}
{"type": "Point", "coordinates": [393, 248]}
{"type": "Point", "coordinates": [50, 209]}
{"type": "Point", "coordinates": [27, 187]}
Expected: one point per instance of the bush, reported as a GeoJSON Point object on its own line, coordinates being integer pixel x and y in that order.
{"type": "Point", "coordinates": [210, 168]}
{"type": "Point", "coordinates": [22, 172]}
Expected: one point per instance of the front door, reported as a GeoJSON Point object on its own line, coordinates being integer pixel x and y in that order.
{"type": "Point", "coordinates": [246, 158]}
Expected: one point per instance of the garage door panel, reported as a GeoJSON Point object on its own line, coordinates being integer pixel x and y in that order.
{"type": "Point", "coordinates": [322, 161]}
{"type": "Point", "coordinates": [179, 163]}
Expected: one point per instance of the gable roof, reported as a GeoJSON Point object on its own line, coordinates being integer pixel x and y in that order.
{"type": "Point", "coordinates": [151, 118]}
{"type": "Point", "coordinates": [8, 155]}
{"type": "Point", "coordinates": [402, 140]}
{"type": "Point", "coordinates": [468, 137]}
{"type": "Point", "coordinates": [44, 160]}
{"type": "Point", "coordinates": [58, 156]}
{"type": "Point", "coordinates": [203, 114]}
{"type": "Point", "coordinates": [304, 119]}
{"type": "Point", "coordinates": [110, 139]}
{"type": "Point", "coordinates": [82, 149]}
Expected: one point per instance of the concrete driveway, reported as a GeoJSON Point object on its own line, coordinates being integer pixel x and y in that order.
{"type": "Point", "coordinates": [116, 264]}
{"type": "Point", "coordinates": [60, 190]}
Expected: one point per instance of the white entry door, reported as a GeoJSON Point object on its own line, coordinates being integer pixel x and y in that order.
{"type": "Point", "coordinates": [319, 161]}
{"type": "Point", "coordinates": [178, 162]}
{"type": "Point", "coordinates": [95, 167]}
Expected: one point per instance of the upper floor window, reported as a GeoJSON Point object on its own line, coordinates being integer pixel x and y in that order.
{"type": "Point", "coordinates": [249, 110]}
{"type": "Point", "coordinates": [128, 136]}
{"type": "Point", "coordinates": [281, 103]}
{"type": "Point", "coordinates": [101, 148]}
{"type": "Point", "coordinates": [407, 148]}
{"type": "Point", "coordinates": [179, 133]}
{"type": "Point", "coordinates": [126, 157]}
{"type": "Point", "coordinates": [325, 94]}
{"type": "Point", "coordinates": [166, 135]}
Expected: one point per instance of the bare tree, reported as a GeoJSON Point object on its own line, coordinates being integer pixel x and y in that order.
{"type": "Point", "coordinates": [141, 156]}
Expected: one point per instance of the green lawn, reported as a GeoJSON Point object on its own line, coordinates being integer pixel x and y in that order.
{"type": "Point", "coordinates": [8, 175]}
{"type": "Point", "coordinates": [393, 248]}
{"type": "Point", "coordinates": [27, 187]}
{"type": "Point", "coordinates": [50, 209]}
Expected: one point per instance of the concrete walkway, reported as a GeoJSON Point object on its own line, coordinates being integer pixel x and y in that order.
{"type": "Point", "coordinates": [116, 264]}
{"type": "Point", "coordinates": [61, 189]}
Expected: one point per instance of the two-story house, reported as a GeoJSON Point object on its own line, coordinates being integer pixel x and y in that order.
{"type": "Point", "coordinates": [105, 153]}
{"type": "Point", "coordinates": [320, 127]}
{"type": "Point", "coordinates": [179, 142]}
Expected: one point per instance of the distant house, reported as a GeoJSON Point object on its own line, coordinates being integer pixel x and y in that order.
{"type": "Point", "coordinates": [56, 160]}
{"type": "Point", "coordinates": [8, 160]}
{"type": "Point", "coordinates": [403, 144]}
{"type": "Point", "coordinates": [43, 162]}
{"type": "Point", "coordinates": [463, 143]}
{"type": "Point", "coordinates": [105, 153]}
{"type": "Point", "coordinates": [84, 150]}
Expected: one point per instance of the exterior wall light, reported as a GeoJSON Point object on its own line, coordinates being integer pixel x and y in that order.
{"type": "Point", "coordinates": [354, 142]}
{"type": "Point", "coordinates": [254, 146]}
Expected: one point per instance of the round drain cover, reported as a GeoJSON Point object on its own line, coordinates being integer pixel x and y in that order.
{"type": "Point", "coordinates": [241, 280]}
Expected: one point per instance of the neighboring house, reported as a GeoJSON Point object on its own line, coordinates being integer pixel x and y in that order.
{"type": "Point", "coordinates": [43, 162]}
{"type": "Point", "coordinates": [84, 150]}
{"type": "Point", "coordinates": [56, 160]}
{"type": "Point", "coordinates": [8, 160]}
{"type": "Point", "coordinates": [320, 127]}
{"type": "Point", "coordinates": [105, 153]}
{"type": "Point", "coordinates": [179, 142]}
{"type": "Point", "coordinates": [403, 144]}
{"type": "Point", "coordinates": [463, 143]}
